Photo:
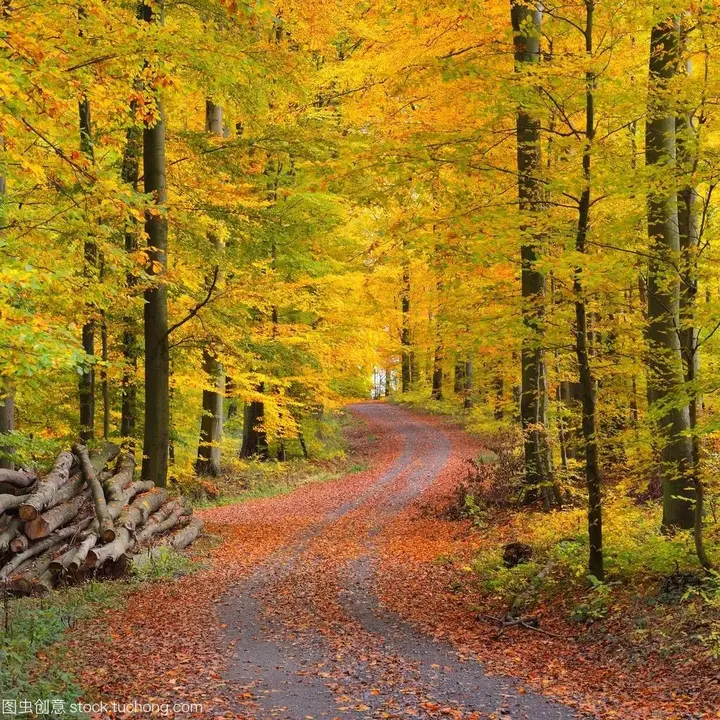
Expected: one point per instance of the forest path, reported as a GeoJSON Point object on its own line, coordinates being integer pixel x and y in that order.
{"type": "Point", "coordinates": [286, 622]}
{"type": "Point", "coordinates": [309, 635]}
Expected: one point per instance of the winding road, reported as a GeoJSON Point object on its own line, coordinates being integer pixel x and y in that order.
{"type": "Point", "coordinates": [309, 637]}
{"type": "Point", "coordinates": [286, 622]}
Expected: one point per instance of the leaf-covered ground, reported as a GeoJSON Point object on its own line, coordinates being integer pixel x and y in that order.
{"type": "Point", "coordinates": [330, 602]}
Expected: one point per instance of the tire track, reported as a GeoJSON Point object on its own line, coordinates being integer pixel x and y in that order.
{"type": "Point", "coordinates": [291, 661]}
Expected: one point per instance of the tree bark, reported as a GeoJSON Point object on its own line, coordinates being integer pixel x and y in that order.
{"type": "Point", "coordinates": [7, 502]}
{"type": "Point", "coordinates": [666, 379]}
{"type": "Point", "coordinates": [7, 394]}
{"type": "Point", "coordinates": [254, 442]}
{"type": "Point", "coordinates": [130, 174]}
{"type": "Point", "coordinates": [47, 487]}
{"type": "Point", "coordinates": [208, 457]}
{"type": "Point", "coordinates": [689, 231]}
{"type": "Point", "coordinates": [157, 352]}
{"type": "Point", "coordinates": [405, 339]}
{"type": "Point", "coordinates": [7, 424]}
{"type": "Point", "coordinates": [187, 535]}
{"type": "Point", "coordinates": [587, 379]}
{"type": "Point", "coordinates": [141, 508]}
{"type": "Point", "coordinates": [526, 23]}
{"type": "Point", "coordinates": [86, 382]}
{"type": "Point", "coordinates": [163, 522]}
{"type": "Point", "coordinates": [436, 392]}
{"type": "Point", "coordinates": [40, 547]}
{"type": "Point", "coordinates": [56, 517]}
{"type": "Point", "coordinates": [468, 399]}
{"type": "Point", "coordinates": [9, 532]}
{"type": "Point", "coordinates": [105, 522]}
{"type": "Point", "coordinates": [18, 478]}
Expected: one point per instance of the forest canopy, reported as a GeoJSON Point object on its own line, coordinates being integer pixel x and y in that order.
{"type": "Point", "coordinates": [221, 220]}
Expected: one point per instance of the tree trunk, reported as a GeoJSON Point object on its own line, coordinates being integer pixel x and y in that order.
{"type": "Point", "coordinates": [10, 501]}
{"type": "Point", "coordinates": [187, 535]}
{"type": "Point", "coordinates": [254, 442]}
{"type": "Point", "coordinates": [17, 478]}
{"type": "Point", "coordinates": [689, 230]}
{"type": "Point", "coordinates": [9, 533]}
{"type": "Point", "coordinates": [208, 460]}
{"type": "Point", "coordinates": [104, 378]}
{"type": "Point", "coordinates": [587, 380]}
{"type": "Point", "coordinates": [405, 340]}
{"type": "Point", "coordinates": [141, 508]}
{"type": "Point", "coordinates": [86, 383]}
{"type": "Point", "coordinates": [666, 379]}
{"type": "Point", "coordinates": [439, 356]}
{"type": "Point", "coordinates": [468, 400]}
{"type": "Point", "coordinates": [37, 548]}
{"type": "Point", "coordinates": [7, 424]}
{"type": "Point", "coordinates": [105, 522]}
{"type": "Point", "coordinates": [56, 517]}
{"type": "Point", "coordinates": [130, 174]}
{"type": "Point", "coordinates": [157, 352]}
{"type": "Point", "coordinates": [208, 457]}
{"type": "Point", "coordinates": [526, 22]}
{"type": "Point", "coordinates": [7, 395]}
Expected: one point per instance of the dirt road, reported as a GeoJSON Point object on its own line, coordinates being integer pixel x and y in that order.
{"type": "Point", "coordinates": [288, 624]}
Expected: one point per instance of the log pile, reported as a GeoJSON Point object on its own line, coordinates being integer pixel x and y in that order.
{"type": "Point", "coordinates": [87, 516]}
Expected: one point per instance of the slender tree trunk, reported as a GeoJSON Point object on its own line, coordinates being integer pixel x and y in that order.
{"type": "Point", "coordinates": [130, 174]}
{"type": "Point", "coordinates": [467, 400]}
{"type": "Point", "coordinates": [665, 366]}
{"type": "Point", "coordinates": [208, 457]}
{"type": "Point", "coordinates": [7, 426]}
{"type": "Point", "coordinates": [437, 374]}
{"type": "Point", "coordinates": [689, 230]}
{"type": "Point", "coordinates": [7, 395]}
{"type": "Point", "coordinates": [86, 383]}
{"type": "Point", "coordinates": [526, 22]}
{"type": "Point", "coordinates": [405, 339]}
{"type": "Point", "coordinates": [439, 355]}
{"type": "Point", "coordinates": [232, 407]}
{"type": "Point", "coordinates": [157, 352]}
{"type": "Point", "coordinates": [587, 380]}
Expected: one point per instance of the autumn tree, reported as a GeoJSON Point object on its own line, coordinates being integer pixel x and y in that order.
{"type": "Point", "coordinates": [157, 353]}
{"type": "Point", "coordinates": [526, 23]}
{"type": "Point", "coordinates": [666, 381]}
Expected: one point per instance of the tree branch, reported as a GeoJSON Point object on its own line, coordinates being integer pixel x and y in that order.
{"type": "Point", "coordinates": [199, 306]}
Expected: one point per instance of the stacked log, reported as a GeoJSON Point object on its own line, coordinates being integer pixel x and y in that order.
{"type": "Point", "coordinates": [87, 516]}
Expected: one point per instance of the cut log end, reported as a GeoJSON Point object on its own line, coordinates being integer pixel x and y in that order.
{"type": "Point", "coordinates": [27, 511]}
{"type": "Point", "coordinates": [19, 544]}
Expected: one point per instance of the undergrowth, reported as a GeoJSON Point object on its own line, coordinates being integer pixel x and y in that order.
{"type": "Point", "coordinates": [654, 585]}
{"type": "Point", "coordinates": [29, 627]}
{"type": "Point", "coordinates": [251, 479]}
